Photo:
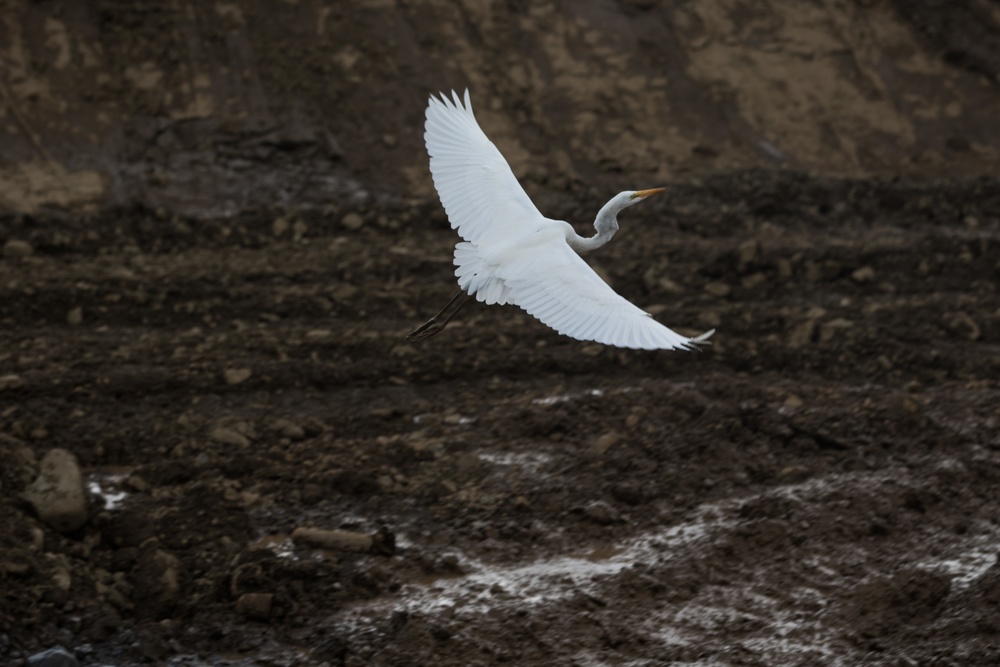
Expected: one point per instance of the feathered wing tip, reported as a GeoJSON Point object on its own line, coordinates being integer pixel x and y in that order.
{"type": "Point", "coordinates": [703, 339]}
{"type": "Point", "coordinates": [463, 103]}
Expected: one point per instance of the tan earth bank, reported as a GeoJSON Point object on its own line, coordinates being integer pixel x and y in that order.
{"type": "Point", "coordinates": [217, 226]}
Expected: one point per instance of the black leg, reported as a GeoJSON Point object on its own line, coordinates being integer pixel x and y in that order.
{"type": "Point", "coordinates": [439, 321]}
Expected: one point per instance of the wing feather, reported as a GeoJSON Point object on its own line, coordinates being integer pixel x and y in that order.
{"type": "Point", "coordinates": [479, 192]}
{"type": "Point", "coordinates": [552, 283]}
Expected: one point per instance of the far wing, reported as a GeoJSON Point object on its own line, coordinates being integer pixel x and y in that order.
{"type": "Point", "coordinates": [555, 285]}
{"type": "Point", "coordinates": [480, 194]}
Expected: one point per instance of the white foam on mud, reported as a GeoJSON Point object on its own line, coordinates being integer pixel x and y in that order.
{"type": "Point", "coordinates": [527, 461]}
{"type": "Point", "coordinates": [576, 395]}
{"type": "Point", "coordinates": [786, 625]}
{"type": "Point", "coordinates": [107, 487]}
{"type": "Point", "coordinates": [972, 558]}
{"type": "Point", "coordinates": [280, 545]}
{"type": "Point", "coordinates": [488, 587]}
{"type": "Point", "coordinates": [719, 609]}
{"type": "Point", "coordinates": [565, 398]}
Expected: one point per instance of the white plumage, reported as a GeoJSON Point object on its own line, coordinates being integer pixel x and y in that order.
{"type": "Point", "coordinates": [511, 253]}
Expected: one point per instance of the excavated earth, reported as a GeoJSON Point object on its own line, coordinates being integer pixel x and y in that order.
{"type": "Point", "coordinates": [275, 477]}
{"type": "Point", "coordinates": [821, 486]}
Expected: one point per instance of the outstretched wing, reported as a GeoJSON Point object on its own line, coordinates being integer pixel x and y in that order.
{"type": "Point", "coordinates": [480, 194]}
{"type": "Point", "coordinates": [554, 284]}
{"type": "Point", "coordinates": [543, 275]}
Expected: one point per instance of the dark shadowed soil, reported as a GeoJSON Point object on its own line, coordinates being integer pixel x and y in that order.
{"type": "Point", "coordinates": [820, 487]}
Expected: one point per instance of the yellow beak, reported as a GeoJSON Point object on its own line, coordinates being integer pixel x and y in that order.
{"type": "Point", "coordinates": [642, 194]}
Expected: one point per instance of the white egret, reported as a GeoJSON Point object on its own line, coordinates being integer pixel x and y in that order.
{"type": "Point", "coordinates": [511, 253]}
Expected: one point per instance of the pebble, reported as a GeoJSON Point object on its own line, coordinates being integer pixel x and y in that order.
{"type": "Point", "coordinates": [604, 443]}
{"type": "Point", "coordinates": [754, 279]}
{"type": "Point", "coordinates": [962, 322]}
{"type": "Point", "coordinates": [15, 249]}
{"type": "Point", "coordinates": [18, 563]}
{"type": "Point", "coordinates": [747, 255]}
{"type": "Point", "coordinates": [61, 580]}
{"type": "Point", "coordinates": [718, 289]}
{"type": "Point", "coordinates": [280, 226]}
{"type": "Point", "coordinates": [802, 334]}
{"type": "Point", "coordinates": [58, 494]}
{"type": "Point", "coordinates": [137, 484]}
{"type": "Point", "coordinates": [834, 328]}
{"type": "Point", "coordinates": [316, 334]}
{"type": "Point", "coordinates": [289, 429]}
{"type": "Point", "coordinates": [19, 460]}
{"type": "Point", "coordinates": [793, 401]}
{"type": "Point", "coordinates": [865, 274]}
{"type": "Point", "coordinates": [53, 657]}
{"type": "Point", "coordinates": [75, 316]}
{"type": "Point", "coordinates": [255, 605]}
{"type": "Point", "coordinates": [228, 436]}
{"type": "Point", "coordinates": [157, 577]}
{"type": "Point", "coordinates": [446, 487]}
{"type": "Point", "coordinates": [237, 375]}
{"type": "Point", "coordinates": [338, 540]}
{"type": "Point", "coordinates": [794, 473]}
{"type": "Point", "coordinates": [352, 221]}
{"type": "Point", "coordinates": [10, 381]}
{"type": "Point", "coordinates": [814, 273]}
{"type": "Point", "coordinates": [601, 512]}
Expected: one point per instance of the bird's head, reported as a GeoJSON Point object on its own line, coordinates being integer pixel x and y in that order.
{"type": "Point", "coordinates": [606, 222]}
{"type": "Point", "coordinates": [636, 196]}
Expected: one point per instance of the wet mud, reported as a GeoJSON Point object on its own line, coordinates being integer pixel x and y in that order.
{"type": "Point", "coordinates": [819, 487]}
{"type": "Point", "coordinates": [217, 228]}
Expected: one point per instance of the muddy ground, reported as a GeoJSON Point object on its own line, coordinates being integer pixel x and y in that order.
{"type": "Point", "coordinates": [218, 226]}
{"type": "Point", "coordinates": [820, 487]}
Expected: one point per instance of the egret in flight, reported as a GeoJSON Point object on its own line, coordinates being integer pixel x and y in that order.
{"type": "Point", "coordinates": [511, 253]}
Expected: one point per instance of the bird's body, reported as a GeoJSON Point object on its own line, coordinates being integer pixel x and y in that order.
{"type": "Point", "coordinates": [511, 253]}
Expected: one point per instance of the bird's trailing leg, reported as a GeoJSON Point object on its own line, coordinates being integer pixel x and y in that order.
{"type": "Point", "coordinates": [439, 321]}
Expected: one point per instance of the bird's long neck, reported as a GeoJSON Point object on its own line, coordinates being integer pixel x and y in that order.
{"type": "Point", "coordinates": [606, 225]}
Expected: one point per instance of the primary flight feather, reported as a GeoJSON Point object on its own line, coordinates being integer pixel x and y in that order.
{"type": "Point", "coordinates": [511, 253]}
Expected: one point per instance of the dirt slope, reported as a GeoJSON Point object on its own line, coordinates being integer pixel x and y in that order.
{"type": "Point", "coordinates": [211, 108]}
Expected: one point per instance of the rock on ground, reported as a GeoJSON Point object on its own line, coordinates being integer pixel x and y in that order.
{"type": "Point", "coordinates": [58, 494]}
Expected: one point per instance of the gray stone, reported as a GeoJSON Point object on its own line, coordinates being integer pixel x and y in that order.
{"type": "Point", "coordinates": [58, 494]}
{"type": "Point", "coordinates": [53, 657]}
{"type": "Point", "coordinates": [601, 512]}
{"type": "Point", "coordinates": [228, 436]}
{"type": "Point", "coordinates": [352, 221]}
{"type": "Point", "coordinates": [15, 249]}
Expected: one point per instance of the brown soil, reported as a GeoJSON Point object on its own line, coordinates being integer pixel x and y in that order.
{"type": "Point", "coordinates": [820, 487]}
